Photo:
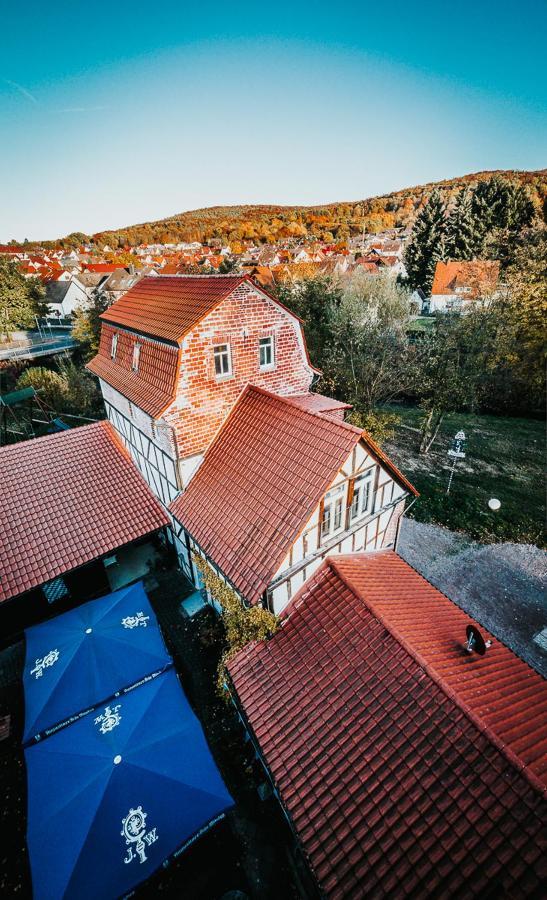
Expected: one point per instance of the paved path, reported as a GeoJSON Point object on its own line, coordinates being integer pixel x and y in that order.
{"type": "Point", "coordinates": [500, 585]}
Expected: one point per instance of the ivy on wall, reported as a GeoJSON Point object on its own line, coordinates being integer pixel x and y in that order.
{"type": "Point", "coordinates": [242, 625]}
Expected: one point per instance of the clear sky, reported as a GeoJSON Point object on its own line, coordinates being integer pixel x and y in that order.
{"type": "Point", "coordinates": [118, 113]}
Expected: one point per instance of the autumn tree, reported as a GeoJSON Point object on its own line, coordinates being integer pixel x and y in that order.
{"type": "Point", "coordinates": [87, 324]}
{"type": "Point", "coordinates": [369, 358]}
{"type": "Point", "coordinates": [450, 364]}
{"type": "Point", "coordinates": [21, 299]}
{"type": "Point", "coordinates": [313, 300]}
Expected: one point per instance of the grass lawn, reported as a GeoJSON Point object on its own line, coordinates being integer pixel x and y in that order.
{"type": "Point", "coordinates": [422, 323]}
{"type": "Point", "coordinates": [505, 459]}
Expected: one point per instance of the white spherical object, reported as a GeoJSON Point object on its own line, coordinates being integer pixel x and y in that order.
{"type": "Point", "coordinates": [117, 760]}
{"type": "Point", "coordinates": [494, 504]}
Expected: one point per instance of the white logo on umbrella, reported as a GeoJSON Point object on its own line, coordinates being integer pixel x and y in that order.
{"type": "Point", "coordinates": [48, 660]}
{"type": "Point", "coordinates": [134, 621]}
{"type": "Point", "coordinates": [109, 719]}
{"type": "Point", "coordinates": [134, 831]}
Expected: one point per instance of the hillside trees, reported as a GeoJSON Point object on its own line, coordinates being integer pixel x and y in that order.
{"type": "Point", "coordinates": [427, 243]}
{"type": "Point", "coordinates": [484, 222]}
{"type": "Point", "coordinates": [464, 231]}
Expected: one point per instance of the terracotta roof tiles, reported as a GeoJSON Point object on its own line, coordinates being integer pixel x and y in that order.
{"type": "Point", "coordinates": [67, 499]}
{"type": "Point", "coordinates": [260, 480]}
{"type": "Point", "coordinates": [481, 275]}
{"type": "Point", "coordinates": [153, 387]}
{"type": "Point", "coordinates": [168, 307]}
{"type": "Point", "coordinates": [400, 764]}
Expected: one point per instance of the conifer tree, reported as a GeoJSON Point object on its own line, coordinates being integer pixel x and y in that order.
{"type": "Point", "coordinates": [464, 229]}
{"type": "Point", "coordinates": [427, 243]}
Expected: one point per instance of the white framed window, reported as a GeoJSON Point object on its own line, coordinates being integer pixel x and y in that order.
{"type": "Point", "coordinates": [136, 357]}
{"type": "Point", "coordinates": [114, 346]}
{"type": "Point", "coordinates": [362, 496]}
{"type": "Point", "coordinates": [266, 358]}
{"type": "Point", "coordinates": [223, 360]}
{"type": "Point", "coordinates": [333, 511]}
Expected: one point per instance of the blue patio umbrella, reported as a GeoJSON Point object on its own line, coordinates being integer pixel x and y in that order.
{"type": "Point", "coordinates": [84, 656]}
{"type": "Point", "coordinates": [115, 794]}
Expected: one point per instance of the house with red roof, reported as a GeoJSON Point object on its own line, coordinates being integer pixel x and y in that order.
{"type": "Point", "coordinates": [174, 356]}
{"type": "Point", "coordinates": [408, 764]}
{"type": "Point", "coordinates": [457, 284]}
{"type": "Point", "coordinates": [76, 521]}
{"type": "Point", "coordinates": [285, 482]}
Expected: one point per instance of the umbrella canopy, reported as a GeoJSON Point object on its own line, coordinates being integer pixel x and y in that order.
{"type": "Point", "coordinates": [87, 655]}
{"type": "Point", "coordinates": [113, 795]}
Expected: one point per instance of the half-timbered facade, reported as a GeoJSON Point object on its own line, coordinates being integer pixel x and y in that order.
{"type": "Point", "coordinates": [284, 484]}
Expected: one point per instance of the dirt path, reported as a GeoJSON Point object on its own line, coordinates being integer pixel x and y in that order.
{"type": "Point", "coordinates": [500, 585]}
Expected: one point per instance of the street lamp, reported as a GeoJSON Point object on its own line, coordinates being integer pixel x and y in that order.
{"type": "Point", "coordinates": [456, 452]}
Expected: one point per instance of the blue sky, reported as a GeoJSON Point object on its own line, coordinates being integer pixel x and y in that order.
{"type": "Point", "coordinates": [112, 114]}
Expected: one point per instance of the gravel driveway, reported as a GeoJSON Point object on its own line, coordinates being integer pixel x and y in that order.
{"type": "Point", "coordinates": [501, 585]}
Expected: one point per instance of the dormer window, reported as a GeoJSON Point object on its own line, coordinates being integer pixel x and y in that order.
{"type": "Point", "coordinates": [266, 352]}
{"type": "Point", "coordinates": [136, 357]}
{"type": "Point", "coordinates": [113, 346]}
{"type": "Point", "coordinates": [223, 360]}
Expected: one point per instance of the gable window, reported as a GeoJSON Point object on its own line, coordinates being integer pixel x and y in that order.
{"type": "Point", "coordinates": [362, 496]}
{"type": "Point", "coordinates": [136, 357]}
{"type": "Point", "coordinates": [266, 352]}
{"type": "Point", "coordinates": [223, 360]}
{"type": "Point", "coordinates": [333, 511]}
{"type": "Point", "coordinates": [114, 346]}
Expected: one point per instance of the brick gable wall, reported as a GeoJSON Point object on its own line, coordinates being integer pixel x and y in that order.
{"type": "Point", "coordinates": [203, 401]}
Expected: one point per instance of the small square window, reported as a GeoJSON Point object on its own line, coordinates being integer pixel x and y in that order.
{"type": "Point", "coordinates": [114, 346]}
{"type": "Point", "coordinates": [55, 589]}
{"type": "Point", "coordinates": [136, 357]}
{"type": "Point", "coordinates": [223, 361]}
{"type": "Point", "coordinates": [266, 352]}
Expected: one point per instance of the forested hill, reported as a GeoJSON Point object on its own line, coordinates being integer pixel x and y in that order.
{"type": "Point", "coordinates": [334, 221]}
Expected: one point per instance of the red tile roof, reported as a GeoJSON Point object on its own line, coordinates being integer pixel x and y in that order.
{"type": "Point", "coordinates": [168, 307]}
{"type": "Point", "coordinates": [317, 402]}
{"type": "Point", "coordinates": [67, 499]}
{"type": "Point", "coordinates": [400, 778]}
{"type": "Point", "coordinates": [153, 387]}
{"type": "Point", "coordinates": [102, 267]}
{"type": "Point", "coordinates": [259, 482]}
{"type": "Point", "coordinates": [478, 274]}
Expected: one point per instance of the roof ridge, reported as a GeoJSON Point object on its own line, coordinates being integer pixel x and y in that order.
{"type": "Point", "coordinates": [286, 398]}
{"type": "Point", "coordinates": [45, 437]}
{"type": "Point", "coordinates": [474, 717]}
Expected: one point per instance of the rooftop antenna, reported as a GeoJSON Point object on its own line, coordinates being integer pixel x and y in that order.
{"type": "Point", "coordinates": [475, 641]}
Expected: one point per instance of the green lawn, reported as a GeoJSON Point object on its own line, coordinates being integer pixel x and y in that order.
{"type": "Point", "coordinates": [505, 459]}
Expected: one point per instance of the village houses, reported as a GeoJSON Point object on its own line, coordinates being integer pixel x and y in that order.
{"type": "Point", "coordinates": [207, 380]}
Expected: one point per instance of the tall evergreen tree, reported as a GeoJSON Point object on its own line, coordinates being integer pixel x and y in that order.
{"type": "Point", "coordinates": [464, 230]}
{"type": "Point", "coordinates": [427, 243]}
